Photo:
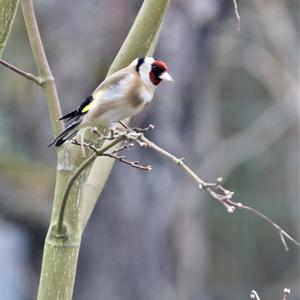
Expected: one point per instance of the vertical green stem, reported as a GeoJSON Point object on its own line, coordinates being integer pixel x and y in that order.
{"type": "Point", "coordinates": [8, 9]}
{"type": "Point", "coordinates": [41, 62]}
{"type": "Point", "coordinates": [142, 34]}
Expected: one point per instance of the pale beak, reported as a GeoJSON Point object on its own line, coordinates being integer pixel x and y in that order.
{"type": "Point", "coordinates": [166, 76]}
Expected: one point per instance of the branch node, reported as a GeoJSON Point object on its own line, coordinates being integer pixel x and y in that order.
{"type": "Point", "coordinates": [286, 248]}
{"type": "Point", "coordinates": [44, 80]}
{"type": "Point", "coordinates": [180, 161]}
{"type": "Point", "coordinates": [59, 234]}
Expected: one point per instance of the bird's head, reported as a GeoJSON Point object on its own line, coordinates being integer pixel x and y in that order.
{"type": "Point", "coordinates": [152, 71]}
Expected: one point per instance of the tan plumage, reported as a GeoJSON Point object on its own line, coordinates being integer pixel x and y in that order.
{"type": "Point", "coordinates": [121, 95]}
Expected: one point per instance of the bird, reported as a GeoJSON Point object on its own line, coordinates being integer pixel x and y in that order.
{"type": "Point", "coordinates": [121, 95]}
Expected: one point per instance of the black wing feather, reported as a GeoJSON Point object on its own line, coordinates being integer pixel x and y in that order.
{"type": "Point", "coordinates": [78, 111]}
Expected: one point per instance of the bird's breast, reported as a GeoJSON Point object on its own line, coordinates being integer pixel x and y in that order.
{"type": "Point", "coordinates": [139, 97]}
{"type": "Point", "coordinates": [145, 95]}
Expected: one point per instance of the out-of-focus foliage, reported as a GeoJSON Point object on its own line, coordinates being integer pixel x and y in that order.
{"type": "Point", "coordinates": [232, 112]}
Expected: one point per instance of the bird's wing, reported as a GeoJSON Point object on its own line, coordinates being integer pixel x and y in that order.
{"type": "Point", "coordinates": [112, 80]}
{"type": "Point", "coordinates": [107, 90]}
{"type": "Point", "coordinates": [111, 93]}
{"type": "Point", "coordinates": [79, 111]}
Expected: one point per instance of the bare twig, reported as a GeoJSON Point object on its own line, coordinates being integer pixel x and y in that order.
{"type": "Point", "coordinates": [143, 130]}
{"type": "Point", "coordinates": [125, 146]}
{"type": "Point", "coordinates": [134, 164]}
{"type": "Point", "coordinates": [254, 295]}
{"type": "Point", "coordinates": [215, 189]}
{"type": "Point", "coordinates": [27, 75]}
{"type": "Point", "coordinates": [110, 136]}
{"type": "Point", "coordinates": [282, 233]}
{"type": "Point", "coordinates": [237, 16]}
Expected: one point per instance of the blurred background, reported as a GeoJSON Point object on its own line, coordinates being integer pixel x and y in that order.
{"type": "Point", "coordinates": [233, 111]}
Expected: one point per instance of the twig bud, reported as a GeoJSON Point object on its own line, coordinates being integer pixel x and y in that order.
{"type": "Point", "coordinates": [220, 180]}
{"type": "Point", "coordinates": [230, 209]}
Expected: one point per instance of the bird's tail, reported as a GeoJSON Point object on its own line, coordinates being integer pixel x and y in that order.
{"type": "Point", "coordinates": [68, 133]}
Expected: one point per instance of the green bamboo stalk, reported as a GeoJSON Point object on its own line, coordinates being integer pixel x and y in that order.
{"type": "Point", "coordinates": [61, 250]}
{"type": "Point", "coordinates": [8, 9]}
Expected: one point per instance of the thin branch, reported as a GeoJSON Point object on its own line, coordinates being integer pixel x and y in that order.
{"type": "Point", "coordinates": [85, 164]}
{"type": "Point", "coordinates": [215, 189]}
{"type": "Point", "coordinates": [211, 188]}
{"type": "Point", "coordinates": [27, 75]}
{"type": "Point", "coordinates": [135, 164]}
{"type": "Point", "coordinates": [237, 16]}
{"type": "Point", "coordinates": [282, 233]}
{"type": "Point", "coordinates": [125, 146]}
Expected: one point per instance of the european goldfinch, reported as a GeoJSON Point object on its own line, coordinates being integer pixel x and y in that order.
{"type": "Point", "coordinates": [121, 95]}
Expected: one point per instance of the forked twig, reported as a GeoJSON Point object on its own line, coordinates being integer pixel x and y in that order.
{"type": "Point", "coordinates": [135, 164]}
{"type": "Point", "coordinates": [113, 154]}
{"type": "Point", "coordinates": [215, 189]}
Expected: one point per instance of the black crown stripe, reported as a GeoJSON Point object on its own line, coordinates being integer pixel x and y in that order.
{"type": "Point", "coordinates": [139, 63]}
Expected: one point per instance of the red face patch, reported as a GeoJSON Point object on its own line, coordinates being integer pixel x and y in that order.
{"type": "Point", "coordinates": [160, 64]}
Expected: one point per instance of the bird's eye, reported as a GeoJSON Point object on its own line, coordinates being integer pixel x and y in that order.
{"type": "Point", "coordinates": [156, 69]}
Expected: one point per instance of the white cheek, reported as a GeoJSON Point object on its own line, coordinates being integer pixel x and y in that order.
{"type": "Point", "coordinates": [145, 70]}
